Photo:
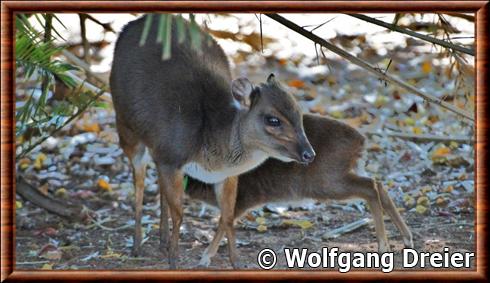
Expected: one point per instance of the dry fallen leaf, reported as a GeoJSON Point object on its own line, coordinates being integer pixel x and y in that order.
{"type": "Point", "coordinates": [296, 83]}
{"type": "Point", "coordinates": [423, 201]}
{"type": "Point", "coordinates": [417, 130]}
{"type": "Point", "coordinates": [319, 109]}
{"type": "Point", "coordinates": [408, 200]}
{"type": "Point", "coordinates": [24, 163]}
{"type": "Point", "coordinates": [47, 266]}
{"type": "Point", "coordinates": [282, 62]}
{"type": "Point", "coordinates": [427, 67]}
{"type": "Point", "coordinates": [91, 127]}
{"type": "Point", "coordinates": [441, 201]}
{"type": "Point", "coordinates": [440, 152]}
{"type": "Point", "coordinates": [39, 161]}
{"type": "Point", "coordinates": [61, 193]}
{"type": "Point", "coordinates": [337, 114]}
{"type": "Point", "coordinates": [50, 251]}
{"type": "Point", "coordinates": [103, 184]}
{"type": "Point", "coordinates": [420, 209]}
{"type": "Point", "coordinates": [44, 189]}
{"type": "Point", "coordinates": [261, 228]}
{"type": "Point", "coordinates": [303, 224]}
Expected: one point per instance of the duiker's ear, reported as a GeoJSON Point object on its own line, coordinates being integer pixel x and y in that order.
{"type": "Point", "coordinates": [241, 89]}
{"type": "Point", "coordinates": [271, 79]}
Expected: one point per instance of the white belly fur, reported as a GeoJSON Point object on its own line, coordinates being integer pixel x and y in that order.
{"type": "Point", "coordinates": [198, 172]}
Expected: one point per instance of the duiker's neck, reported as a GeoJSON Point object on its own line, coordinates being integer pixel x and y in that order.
{"type": "Point", "coordinates": [230, 140]}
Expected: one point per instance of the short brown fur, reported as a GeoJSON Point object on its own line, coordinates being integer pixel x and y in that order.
{"type": "Point", "coordinates": [330, 176]}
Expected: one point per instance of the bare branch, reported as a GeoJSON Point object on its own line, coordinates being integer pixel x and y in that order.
{"type": "Point", "coordinates": [365, 65]}
{"type": "Point", "coordinates": [421, 137]}
{"type": "Point", "coordinates": [28, 192]}
{"type": "Point", "coordinates": [415, 34]}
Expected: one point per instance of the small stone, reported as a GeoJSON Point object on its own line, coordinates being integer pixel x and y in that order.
{"type": "Point", "coordinates": [104, 160]}
{"type": "Point", "coordinates": [50, 143]}
{"type": "Point", "coordinates": [83, 138]}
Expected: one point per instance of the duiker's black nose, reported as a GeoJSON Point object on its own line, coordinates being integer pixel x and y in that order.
{"type": "Point", "coordinates": [308, 156]}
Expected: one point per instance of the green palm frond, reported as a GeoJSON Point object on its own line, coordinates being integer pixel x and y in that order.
{"type": "Point", "coordinates": [34, 56]}
{"type": "Point", "coordinates": [164, 32]}
{"type": "Point", "coordinates": [34, 53]}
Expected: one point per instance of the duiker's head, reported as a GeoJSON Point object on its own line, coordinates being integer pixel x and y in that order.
{"type": "Point", "coordinates": [274, 122]}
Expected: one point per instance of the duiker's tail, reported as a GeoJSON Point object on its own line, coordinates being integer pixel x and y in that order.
{"type": "Point", "coordinates": [201, 191]}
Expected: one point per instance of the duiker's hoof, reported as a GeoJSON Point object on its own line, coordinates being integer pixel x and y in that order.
{"type": "Point", "coordinates": [408, 243]}
{"type": "Point", "coordinates": [135, 252]}
{"type": "Point", "coordinates": [172, 264]}
{"type": "Point", "coordinates": [163, 248]}
{"type": "Point", "coordinates": [384, 248]}
{"type": "Point", "coordinates": [204, 262]}
{"type": "Point", "coordinates": [239, 265]}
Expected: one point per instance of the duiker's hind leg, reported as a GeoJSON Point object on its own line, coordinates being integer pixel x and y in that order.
{"type": "Point", "coordinates": [170, 181]}
{"type": "Point", "coordinates": [366, 188]}
{"type": "Point", "coordinates": [164, 229]}
{"type": "Point", "coordinates": [212, 249]}
{"type": "Point", "coordinates": [136, 153]}
{"type": "Point", "coordinates": [391, 210]}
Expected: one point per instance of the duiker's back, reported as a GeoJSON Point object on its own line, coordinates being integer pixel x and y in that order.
{"type": "Point", "coordinates": [156, 99]}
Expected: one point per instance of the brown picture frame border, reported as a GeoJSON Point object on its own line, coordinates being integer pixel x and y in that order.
{"type": "Point", "coordinates": [9, 8]}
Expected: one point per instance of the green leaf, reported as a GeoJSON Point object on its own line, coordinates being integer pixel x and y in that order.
{"type": "Point", "coordinates": [181, 31]}
{"type": "Point", "coordinates": [146, 29]}
{"type": "Point", "coordinates": [162, 21]}
{"type": "Point", "coordinates": [195, 34]}
{"type": "Point", "coordinates": [168, 39]}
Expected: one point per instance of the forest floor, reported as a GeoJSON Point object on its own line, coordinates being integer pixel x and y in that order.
{"type": "Point", "coordinates": [57, 243]}
{"type": "Point", "coordinates": [431, 181]}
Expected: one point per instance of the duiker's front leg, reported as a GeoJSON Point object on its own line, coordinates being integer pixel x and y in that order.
{"type": "Point", "coordinates": [170, 181]}
{"type": "Point", "coordinates": [226, 193]}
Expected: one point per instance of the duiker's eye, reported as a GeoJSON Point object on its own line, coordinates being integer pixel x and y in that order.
{"type": "Point", "coordinates": [272, 121]}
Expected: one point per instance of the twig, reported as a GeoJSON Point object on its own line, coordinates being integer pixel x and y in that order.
{"type": "Point", "coordinates": [105, 26]}
{"type": "Point", "coordinates": [139, 258]}
{"type": "Point", "coordinates": [32, 262]}
{"type": "Point", "coordinates": [422, 137]}
{"type": "Point", "coordinates": [317, 58]}
{"type": "Point", "coordinates": [83, 34]}
{"type": "Point", "coordinates": [415, 34]}
{"type": "Point", "coordinates": [109, 228]}
{"type": "Point", "coordinates": [88, 86]}
{"type": "Point", "coordinates": [461, 15]}
{"type": "Point", "coordinates": [346, 228]}
{"type": "Point", "coordinates": [319, 26]}
{"type": "Point", "coordinates": [365, 65]}
{"type": "Point", "coordinates": [259, 17]}
{"type": "Point", "coordinates": [82, 64]}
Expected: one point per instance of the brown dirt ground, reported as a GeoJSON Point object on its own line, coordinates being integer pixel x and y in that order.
{"type": "Point", "coordinates": [77, 241]}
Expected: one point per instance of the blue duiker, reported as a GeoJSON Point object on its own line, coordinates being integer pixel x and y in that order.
{"type": "Point", "coordinates": [189, 116]}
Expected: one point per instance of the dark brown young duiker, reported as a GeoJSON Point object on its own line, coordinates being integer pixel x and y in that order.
{"type": "Point", "coordinates": [189, 115]}
{"type": "Point", "coordinates": [330, 176]}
